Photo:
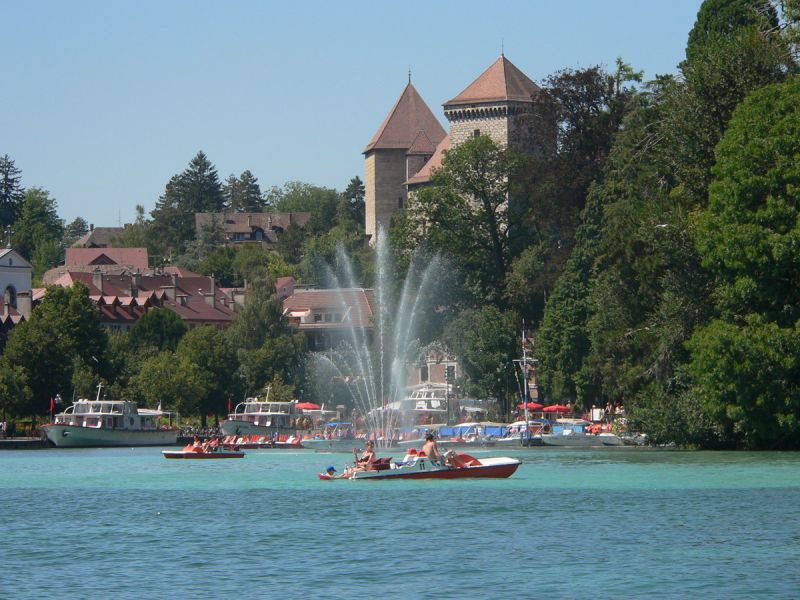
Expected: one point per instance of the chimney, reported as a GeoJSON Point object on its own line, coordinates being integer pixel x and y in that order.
{"type": "Point", "coordinates": [91, 226]}
{"type": "Point", "coordinates": [209, 298]}
{"type": "Point", "coordinates": [24, 304]}
{"type": "Point", "coordinates": [174, 277]}
{"type": "Point", "coordinates": [249, 220]}
{"type": "Point", "coordinates": [97, 280]}
{"type": "Point", "coordinates": [136, 280]}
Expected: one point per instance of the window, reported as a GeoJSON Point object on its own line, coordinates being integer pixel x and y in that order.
{"type": "Point", "coordinates": [476, 133]}
{"type": "Point", "coordinates": [317, 318]}
{"type": "Point", "coordinates": [450, 375]}
{"type": "Point", "coordinates": [327, 317]}
{"type": "Point", "coordinates": [423, 373]}
{"type": "Point", "coordinates": [400, 202]}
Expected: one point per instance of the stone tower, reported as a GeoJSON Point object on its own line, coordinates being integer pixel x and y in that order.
{"type": "Point", "coordinates": [496, 104]}
{"type": "Point", "coordinates": [404, 142]}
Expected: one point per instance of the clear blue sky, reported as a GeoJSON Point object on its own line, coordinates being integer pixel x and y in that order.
{"type": "Point", "coordinates": [102, 102]}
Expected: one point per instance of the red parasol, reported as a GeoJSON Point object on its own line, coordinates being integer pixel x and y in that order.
{"type": "Point", "coordinates": [531, 406]}
{"type": "Point", "coordinates": [307, 406]}
{"type": "Point", "coordinates": [557, 408]}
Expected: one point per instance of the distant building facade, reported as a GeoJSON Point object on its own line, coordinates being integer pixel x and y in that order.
{"type": "Point", "coordinates": [248, 228]}
{"type": "Point", "coordinates": [15, 283]}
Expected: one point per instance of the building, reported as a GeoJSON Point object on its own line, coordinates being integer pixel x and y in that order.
{"type": "Point", "coordinates": [111, 261]}
{"type": "Point", "coordinates": [98, 237]}
{"type": "Point", "coordinates": [123, 298]}
{"type": "Point", "coordinates": [327, 317]}
{"type": "Point", "coordinates": [248, 228]}
{"type": "Point", "coordinates": [15, 283]}
{"type": "Point", "coordinates": [410, 144]}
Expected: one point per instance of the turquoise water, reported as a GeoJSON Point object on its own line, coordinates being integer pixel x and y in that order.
{"type": "Point", "coordinates": [606, 523]}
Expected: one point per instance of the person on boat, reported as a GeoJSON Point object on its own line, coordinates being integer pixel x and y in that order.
{"type": "Point", "coordinates": [197, 444]}
{"type": "Point", "coordinates": [367, 456]}
{"type": "Point", "coordinates": [430, 449]}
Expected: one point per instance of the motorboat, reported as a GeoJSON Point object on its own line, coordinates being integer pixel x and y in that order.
{"type": "Point", "coordinates": [524, 433]}
{"type": "Point", "coordinates": [102, 423]}
{"type": "Point", "coordinates": [576, 433]}
{"type": "Point", "coordinates": [418, 466]}
{"type": "Point", "coordinates": [260, 417]}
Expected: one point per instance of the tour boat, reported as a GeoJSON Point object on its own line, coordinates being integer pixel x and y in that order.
{"type": "Point", "coordinates": [260, 417]}
{"type": "Point", "coordinates": [213, 453]}
{"type": "Point", "coordinates": [417, 466]}
{"type": "Point", "coordinates": [102, 422]}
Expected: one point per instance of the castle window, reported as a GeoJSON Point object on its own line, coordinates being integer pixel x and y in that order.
{"type": "Point", "coordinates": [400, 202]}
{"type": "Point", "coordinates": [476, 133]}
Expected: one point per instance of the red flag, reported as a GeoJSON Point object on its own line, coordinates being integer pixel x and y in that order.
{"type": "Point", "coordinates": [52, 404]}
{"type": "Point", "coordinates": [229, 405]}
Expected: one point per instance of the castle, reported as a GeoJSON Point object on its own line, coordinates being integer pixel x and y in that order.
{"type": "Point", "coordinates": [410, 143]}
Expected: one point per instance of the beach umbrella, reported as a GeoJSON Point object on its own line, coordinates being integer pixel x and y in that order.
{"type": "Point", "coordinates": [531, 406]}
{"type": "Point", "coordinates": [307, 406]}
{"type": "Point", "coordinates": [556, 408]}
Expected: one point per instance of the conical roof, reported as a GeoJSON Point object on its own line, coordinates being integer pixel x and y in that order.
{"type": "Point", "coordinates": [500, 82]}
{"type": "Point", "coordinates": [408, 117]}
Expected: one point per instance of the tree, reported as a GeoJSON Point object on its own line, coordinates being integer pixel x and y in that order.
{"type": "Point", "coordinates": [464, 214]}
{"type": "Point", "coordinates": [11, 191]}
{"type": "Point", "coordinates": [175, 384]}
{"type": "Point", "coordinates": [290, 243]}
{"type": "Point", "coordinates": [242, 194]}
{"type": "Point", "coordinates": [43, 350]}
{"type": "Point", "coordinates": [485, 341]}
{"type": "Point", "coordinates": [195, 190]}
{"type": "Point", "coordinates": [209, 351]}
{"type": "Point", "coordinates": [38, 222]}
{"type": "Point", "coordinates": [159, 328]}
{"type": "Point", "coordinates": [74, 231]}
{"type": "Point", "coordinates": [296, 196]}
{"type": "Point", "coordinates": [351, 203]}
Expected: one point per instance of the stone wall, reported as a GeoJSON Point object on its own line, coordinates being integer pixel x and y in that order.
{"type": "Point", "coordinates": [384, 192]}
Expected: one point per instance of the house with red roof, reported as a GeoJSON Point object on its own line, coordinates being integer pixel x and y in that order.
{"type": "Point", "coordinates": [327, 317]}
{"type": "Point", "coordinates": [411, 143]}
{"type": "Point", "coordinates": [124, 297]}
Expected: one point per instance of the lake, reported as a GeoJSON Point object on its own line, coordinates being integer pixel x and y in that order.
{"type": "Point", "coordinates": [571, 523]}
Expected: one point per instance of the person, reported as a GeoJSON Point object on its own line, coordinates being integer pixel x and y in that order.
{"type": "Point", "coordinates": [368, 455]}
{"type": "Point", "coordinates": [331, 472]}
{"type": "Point", "coordinates": [430, 449]}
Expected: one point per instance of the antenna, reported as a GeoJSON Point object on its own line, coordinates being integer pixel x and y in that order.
{"type": "Point", "coordinates": [409, 74]}
{"type": "Point", "coordinates": [502, 47]}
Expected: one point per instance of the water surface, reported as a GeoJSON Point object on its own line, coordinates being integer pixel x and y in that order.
{"type": "Point", "coordinates": [571, 523]}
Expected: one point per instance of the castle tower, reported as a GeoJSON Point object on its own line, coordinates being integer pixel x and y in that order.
{"type": "Point", "coordinates": [496, 104]}
{"type": "Point", "coordinates": [404, 142]}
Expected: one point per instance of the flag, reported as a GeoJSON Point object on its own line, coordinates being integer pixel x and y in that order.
{"type": "Point", "coordinates": [229, 405]}
{"type": "Point", "coordinates": [52, 404]}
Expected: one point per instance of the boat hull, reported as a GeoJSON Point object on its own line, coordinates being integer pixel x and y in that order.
{"type": "Point", "coordinates": [185, 454]}
{"type": "Point", "coordinates": [75, 436]}
{"type": "Point", "coordinates": [494, 468]}
{"type": "Point", "coordinates": [236, 427]}
{"type": "Point", "coordinates": [581, 440]}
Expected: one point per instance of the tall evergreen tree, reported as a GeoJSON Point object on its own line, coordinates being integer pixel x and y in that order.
{"type": "Point", "coordinates": [242, 194]}
{"type": "Point", "coordinates": [195, 190]}
{"type": "Point", "coordinates": [11, 191]}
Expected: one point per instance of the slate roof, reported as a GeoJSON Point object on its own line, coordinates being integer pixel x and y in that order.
{"type": "Point", "coordinates": [501, 82]}
{"type": "Point", "coordinates": [408, 117]}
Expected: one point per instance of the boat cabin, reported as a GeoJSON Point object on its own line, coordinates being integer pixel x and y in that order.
{"type": "Point", "coordinates": [110, 414]}
{"type": "Point", "coordinates": [264, 413]}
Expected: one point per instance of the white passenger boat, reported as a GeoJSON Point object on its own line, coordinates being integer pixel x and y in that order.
{"type": "Point", "coordinates": [573, 433]}
{"type": "Point", "coordinates": [102, 422]}
{"type": "Point", "coordinates": [260, 417]}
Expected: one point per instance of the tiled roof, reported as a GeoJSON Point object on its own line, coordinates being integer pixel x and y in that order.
{"type": "Point", "coordinates": [435, 162]}
{"type": "Point", "coordinates": [136, 258]}
{"type": "Point", "coordinates": [117, 304]}
{"type": "Point", "coordinates": [422, 144]}
{"type": "Point", "coordinates": [356, 303]}
{"type": "Point", "coordinates": [99, 237]}
{"type": "Point", "coordinates": [408, 117]}
{"type": "Point", "coordinates": [501, 82]}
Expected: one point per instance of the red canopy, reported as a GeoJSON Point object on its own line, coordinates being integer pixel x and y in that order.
{"type": "Point", "coordinates": [531, 405]}
{"type": "Point", "coordinates": [307, 406]}
{"type": "Point", "coordinates": [557, 408]}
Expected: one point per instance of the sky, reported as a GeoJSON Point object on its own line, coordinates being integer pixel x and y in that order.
{"type": "Point", "coordinates": [101, 102]}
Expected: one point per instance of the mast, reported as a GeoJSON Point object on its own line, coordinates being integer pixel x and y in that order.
{"type": "Point", "coordinates": [526, 437]}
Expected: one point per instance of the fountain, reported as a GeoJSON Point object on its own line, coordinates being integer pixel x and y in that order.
{"type": "Point", "coordinates": [374, 360]}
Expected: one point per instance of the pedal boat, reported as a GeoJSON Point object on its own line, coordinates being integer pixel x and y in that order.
{"type": "Point", "coordinates": [417, 466]}
{"type": "Point", "coordinates": [191, 452]}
